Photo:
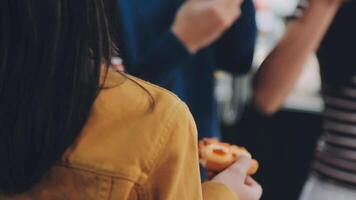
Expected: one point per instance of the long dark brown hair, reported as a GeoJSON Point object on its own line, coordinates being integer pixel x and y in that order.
{"type": "Point", "coordinates": [51, 52]}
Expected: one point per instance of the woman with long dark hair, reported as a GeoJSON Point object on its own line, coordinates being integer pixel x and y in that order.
{"type": "Point", "coordinates": [72, 128]}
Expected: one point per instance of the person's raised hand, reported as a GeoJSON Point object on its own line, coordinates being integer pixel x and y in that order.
{"type": "Point", "coordinates": [199, 23]}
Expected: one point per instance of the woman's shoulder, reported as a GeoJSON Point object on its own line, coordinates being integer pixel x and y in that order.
{"type": "Point", "coordinates": [129, 128]}
{"type": "Point", "coordinates": [123, 90]}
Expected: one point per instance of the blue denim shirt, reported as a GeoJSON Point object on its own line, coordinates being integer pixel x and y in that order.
{"type": "Point", "coordinates": [152, 52]}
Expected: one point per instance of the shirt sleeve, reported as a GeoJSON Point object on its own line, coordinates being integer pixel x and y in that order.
{"type": "Point", "coordinates": [235, 49]}
{"type": "Point", "coordinates": [176, 173]}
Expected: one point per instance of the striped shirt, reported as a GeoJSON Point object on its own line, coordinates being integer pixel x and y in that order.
{"type": "Point", "coordinates": [335, 157]}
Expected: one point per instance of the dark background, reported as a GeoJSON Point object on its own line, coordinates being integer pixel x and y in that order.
{"type": "Point", "coordinates": [284, 146]}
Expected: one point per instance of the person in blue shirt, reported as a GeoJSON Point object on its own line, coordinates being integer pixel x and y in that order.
{"type": "Point", "coordinates": [179, 44]}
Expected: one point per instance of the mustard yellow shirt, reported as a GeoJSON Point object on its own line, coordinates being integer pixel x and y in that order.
{"type": "Point", "coordinates": [140, 143]}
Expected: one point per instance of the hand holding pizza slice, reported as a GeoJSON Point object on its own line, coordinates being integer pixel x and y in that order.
{"type": "Point", "coordinates": [216, 156]}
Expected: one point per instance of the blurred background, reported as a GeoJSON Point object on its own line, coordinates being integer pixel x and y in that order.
{"type": "Point", "coordinates": [283, 143]}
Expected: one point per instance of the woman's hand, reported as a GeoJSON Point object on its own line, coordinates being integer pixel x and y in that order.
{"type": "Point", "coordinates": [235, 177]}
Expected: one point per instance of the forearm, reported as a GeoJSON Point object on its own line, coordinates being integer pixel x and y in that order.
{"type": "Point", "coordinates": [280, 71]}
